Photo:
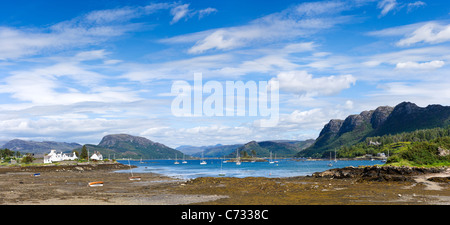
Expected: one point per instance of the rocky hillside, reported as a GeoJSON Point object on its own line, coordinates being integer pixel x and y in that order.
{"type": "Point", "coordinates": [279, 148]}
{"type": "Point", "coordinates": [39, 148]}
{"type": "Point", "coordinates": [128, 146]}
{"type": "Point", "coordinates": [384, 120]}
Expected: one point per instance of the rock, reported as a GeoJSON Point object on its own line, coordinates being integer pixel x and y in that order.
{"type": "Point", "coordinates": [377, 173]}
{"type": "Point", "coordinates": [443, 152]}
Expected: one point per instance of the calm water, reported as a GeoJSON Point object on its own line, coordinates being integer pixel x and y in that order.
{"type": "Point", "coordinates": [284, 168]}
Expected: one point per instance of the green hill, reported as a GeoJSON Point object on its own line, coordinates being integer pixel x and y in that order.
{"type": "Point", "coordinates": [264, 148]}
{"type": "Point", "coordinates": [127, 146]}
{"type": "Point", "coordinates": [425, 147]}
{"type": "Point", "coordinates": [384, 120]}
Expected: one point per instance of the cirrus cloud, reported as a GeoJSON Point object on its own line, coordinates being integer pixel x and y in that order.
{"type": "Point", "coordinates": [301, 82]}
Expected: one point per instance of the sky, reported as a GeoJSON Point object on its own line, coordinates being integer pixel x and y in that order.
{"type": "Point", "coordinates": [75, 71]}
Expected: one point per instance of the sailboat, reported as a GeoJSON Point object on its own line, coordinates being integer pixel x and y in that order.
{"type": "Point", "coordinates": [270, 160]}
{"type": "Point", "coordinates": [385, 160]}
{"type": "Point", "coordinates": [203, 162]}
{"type": "Point", "coordinates": [335, 160]}
{"type": "Point", "coordinates": [238, 158]}
{"type": "Point", "coordinates": [221, 171]}
{"type": "Point", "coordinates": [184, 161]}
{"type": "Point", "coordinates": [176, 160]}
{"type": "Point", "coordinates": [330, 164]}
{"type": "Point", "coordinates": [131, 171]}
{"type": "Point", "coordinates": [141, 161]}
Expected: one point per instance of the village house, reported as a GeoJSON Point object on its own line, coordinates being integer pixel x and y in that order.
{"type": "Point", "coordinates": [97, 156]}
{"type": "Point", "coordinates": [58, 157]}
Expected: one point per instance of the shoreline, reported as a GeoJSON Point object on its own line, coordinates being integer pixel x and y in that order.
{"type": "Point", "coordinates": [67, 185]}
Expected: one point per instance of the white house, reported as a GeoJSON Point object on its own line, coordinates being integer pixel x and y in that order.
{"type": "Point", "coordinates": [58, 157]}
{"type": "Point", "coordinates": [97, 156]}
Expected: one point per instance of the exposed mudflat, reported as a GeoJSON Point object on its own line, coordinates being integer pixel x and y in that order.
{"type": "Point", "coordinates": [68, 185]}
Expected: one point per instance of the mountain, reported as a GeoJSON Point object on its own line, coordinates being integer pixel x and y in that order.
{"type": "Point", "coordinates": [282, 148]}
{"type": "Point", "coordinates": [210, 151]}
{"type": "Point", "coordinates": [404, 117]}
{"type": "Point", "coordinates": [218, 150]}
{"type": "Point", "coordinates": [128, 146]}
{"type": "Point", "coordinates": [39, 148]}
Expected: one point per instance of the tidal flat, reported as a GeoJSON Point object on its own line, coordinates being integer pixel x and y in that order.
{"type": "Point", "coordinates": [68, 185]}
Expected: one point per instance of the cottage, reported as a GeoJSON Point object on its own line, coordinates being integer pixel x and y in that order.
{"type": "Point", "coordinates": [58, 157]}
{"type": "Point", "coordinates": [97, 156]}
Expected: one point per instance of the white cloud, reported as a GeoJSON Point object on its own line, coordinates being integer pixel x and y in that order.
{"type": "Point", "coordinates": [94, 27]}
{"type": "Point", "coordinates": [415, 5]}
{"type": "Point", "coordinates": [205, 12]}
{"type": "Point", "coordinates": [386, 6]}
{"type": "Point", "coordinates": [300, 82]}
{"type": "Point", "coordinates": [299, 21]}
{"type": "Point", "coordinates": [81, 31]}
{"type": "Point", "coordinates": [422, 93]}
{"type": "Point", "coordinates": [421, 66]}
{"type": "Point", "coordinates": [432, 33]}
{"type": "Point", "coordinates": [112, 15]}
{"type": "Point", "coordinates": [179, 12]}
{"type": "Point", "coordinates": [66, 82]}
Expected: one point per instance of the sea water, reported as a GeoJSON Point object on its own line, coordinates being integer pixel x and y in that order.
{"type": "Point", "coordinates": [214, 167]}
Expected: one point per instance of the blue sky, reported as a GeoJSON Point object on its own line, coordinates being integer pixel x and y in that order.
{"type": "Point", "coordinates": [75, 71]}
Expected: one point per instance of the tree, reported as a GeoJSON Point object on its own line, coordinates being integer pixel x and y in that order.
{"type": "Point", "coordinates": [28, 158]}
{"type": "Point", "coordinates": [84, 153]}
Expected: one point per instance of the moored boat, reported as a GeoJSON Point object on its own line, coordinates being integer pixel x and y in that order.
{"type": "Point", "coordinates": [96, 184]}
{"type": "Point", "coordinates": [134, 178]}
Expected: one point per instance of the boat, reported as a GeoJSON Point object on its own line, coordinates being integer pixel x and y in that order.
{"type": "Point", "coordinates": [96, 184]}
{"type": "Point", "coordinates": [141, 161]}
{"type": "Point", "coordinates": [221, 174]}
{"type": "Point", "coordinates": [176, 160]}
{"type": "Point", "coordinates": [203, 162]}
{"type": "Point", "coordinates": [36, 175]}
{"type": "Point", "coordinates": [184, 161]}
{"type": "Point", "coordinates": [330, 164]}
{"type": "Point", "coordinates": [238, 158]}
{"type": "Point", "coordinates": [131, 171]}
{"type": "Point", "coordinates": [134, 178]}
{"type": "Point", "coordinates": [335, 160]}
{"type": "Point", "coordinates": [385, 159]}
{"type": "Point", "coordinates": [270, 160]}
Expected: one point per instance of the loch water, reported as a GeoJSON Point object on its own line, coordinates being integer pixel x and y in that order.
{"type": "Point", "coordinates": [214, 167]}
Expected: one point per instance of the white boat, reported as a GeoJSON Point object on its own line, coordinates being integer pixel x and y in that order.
{"type": "Point", "coordinates": [131, 171]}
{"type": "Point", "coordinates": [238, 158]}
{"type": "Point", "coordinates": [95, 184]}
{"type": "Point", "coordinates": [203, 162]}
{"type": "Point", "coordinates": [176, 160]}
{"type": "Point", "coordinates": [221, 171]}
{"type": "Point", "coordinates": [385, 160]}
{"type": "Point", "coordinates": [335, 160]}
{"type": "Point", "coordinates": [134, 178]}
{"type": "Point", "coordinates": [270, 160]}
{"type": "Point", "coordinates": [184, 161]}
{"type": "Point", "coordinates": [330, 164]}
